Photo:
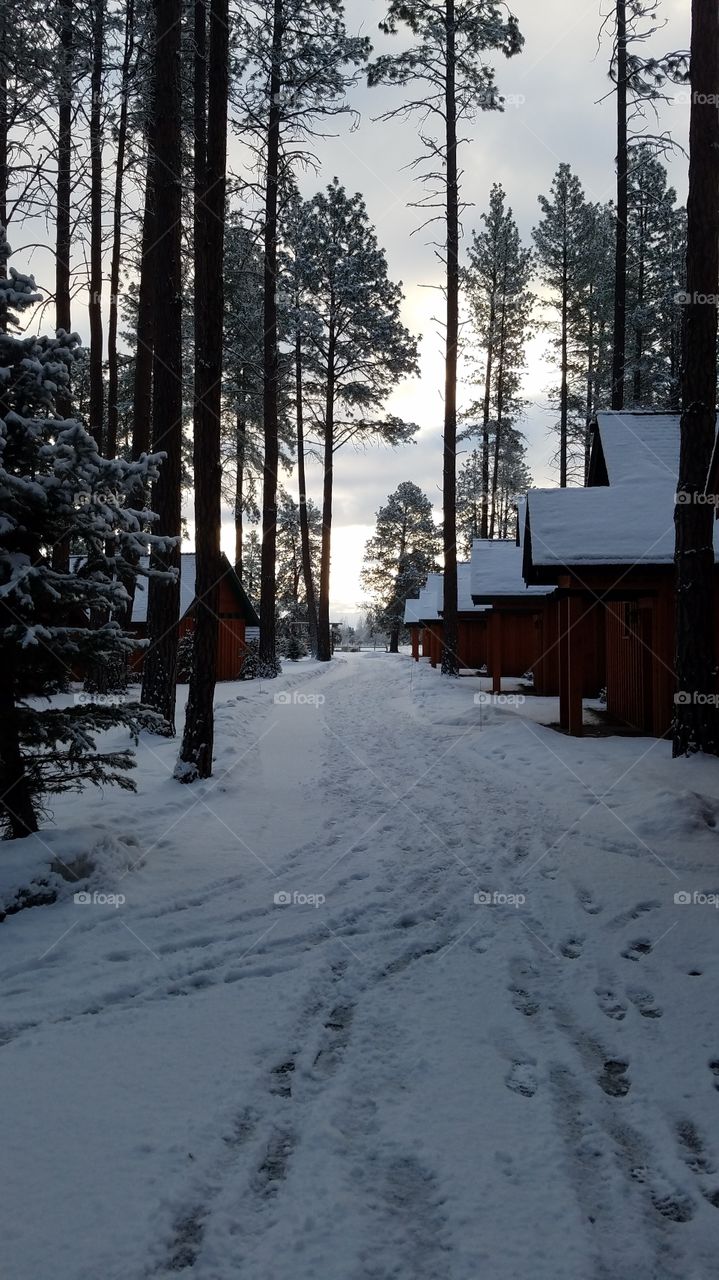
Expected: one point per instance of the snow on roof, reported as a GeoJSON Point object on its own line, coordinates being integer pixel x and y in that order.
{"type": "Point", "coordinates": [631, 521]}
{"type": "Point", "coordinates": [496, 569]}
{"type": "Point", "coordinates": [187, 588]}
{"type": "Point", "coordinates": [625, 524]}
{"type": "Point", "coordinates": [428, 607]}
{"type": "Point", "coordinates": [640, 446]}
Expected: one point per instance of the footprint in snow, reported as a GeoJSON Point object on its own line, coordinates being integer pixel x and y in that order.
{"type": "Point", "coordinates": [714, 1068]}
{"type": "Point", "coordinates": [610, 1003]}
{"type": "Point", "coordinates": [587, 903]}
{"type": "Point", "coordinates": [692, 1148]}
{"type": "Point", "coordinates": [522, 1079]}
{"type": "Point", "coordinates": [572, 948]}
{"type": "Point", "coordinates": [613, 1078]}
{"type": "Point", "coordinates": [634, 913]}
{"type": "Point", "coordinates": [635, 950]}
{"type": "Point", "coordinates": [644, 1002]}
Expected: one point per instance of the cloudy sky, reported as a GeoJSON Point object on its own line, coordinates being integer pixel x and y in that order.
{"type": "Point", "coordinates": [555, 87]}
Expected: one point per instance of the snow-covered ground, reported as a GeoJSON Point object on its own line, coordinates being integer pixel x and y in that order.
{"type": "Point", "coordinates": [476, 1036]}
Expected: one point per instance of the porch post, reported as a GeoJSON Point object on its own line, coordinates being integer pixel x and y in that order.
{"type": "Point", "coordinates": [570, 666]}
{"type": "Point", "coordinates": [495, 650]}
{"type": "Point", "coordinates": [414, 632]}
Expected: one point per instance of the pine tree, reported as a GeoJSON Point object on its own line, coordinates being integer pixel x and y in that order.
{"type": "Point", "coordinates": [165, 261]}
{"type": "Point", "coordinates": [195, 759]}
{"type": "Point", "coordinates": [400, 554]}
{"type": "Point", "coordinates": [447, 61]}
{"type": "Point", "coordinates": [695, 726]}
{"type": "Point", "coordinates": [300, 63]}
{"type": "Point", "coordinates": [654, 235]}
{"type": "Point", "coordinates": [292, 604]}
{"type": "Point", "coordinates": [637, 80]}
{"type": "Point", "coordinates": [561, 240]}
{"type": "Point", "coordinates": [358, 351]}
{"type": "Point", "coordinates": [497, 286]}
{"type": "Point", "coordinates": [54, 487]}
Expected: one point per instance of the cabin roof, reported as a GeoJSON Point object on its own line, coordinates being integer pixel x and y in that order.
{"type": "Point", "coordinates": [496, 570]}
{"type": "Point", "coordinates": [428, 607]}
{"type": "Point", "coordinates": [634, 445]}
{"type": "Point", "coordinates": [624, 518]}
{"type": "Point", "coordinates": [187, 590]}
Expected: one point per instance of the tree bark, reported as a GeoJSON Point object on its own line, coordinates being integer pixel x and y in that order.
{"type": "Point", "coordinates": [63, 320]}
{"type": "Point", "coordinates": [16, 803]}
{"type": "Point", "coordinates": [164, 259]}
{"type": "Point", "coordinates": [116, 257]}
{"type": "Point", "coordinates": [450, 662]}
{"type": "Point", "coordinates": [695, 722]}
{"type": "Point", "coordinates": [484, 527]}
{"type": "Point", "coordinates": [324, 636]}
{"type": "Point", "coordinates": [268, 589]}
{"type": "Point", "coordinates": [312, 625]}
{"type": "Point", "coordinates": [620, 261]}
{"type": "Point", "coordinates": [4, 175]}
{"type": "Point", "coordinates": [564, 389]}
{"type": "Point", "coordinates": [239, 505]}
{"type": "Point", "coordinates": [97, 387]}
{"type": "Point", "coordinates": [197, 744]}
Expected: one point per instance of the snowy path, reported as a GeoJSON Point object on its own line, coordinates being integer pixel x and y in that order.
{"type": "Point", "coordinates": [399, 1083]}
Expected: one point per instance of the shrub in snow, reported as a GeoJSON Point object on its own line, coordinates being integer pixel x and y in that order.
{"type": "Point", "coordinates": [58, 495]}
{"type": "Point", "coordinates": [184, 658]}
{"type": "Point", "coordinates": [253, 668]}
{"type": "Point", "coordinates": [294, 649]}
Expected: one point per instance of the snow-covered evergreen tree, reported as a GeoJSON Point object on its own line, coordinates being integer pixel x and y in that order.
{"type": "Point", "coordinates": [400, 554]}
{"type": "Point", "coordinates": [56, 489]}
{"type": "Point", "coordinates": [358, 350]}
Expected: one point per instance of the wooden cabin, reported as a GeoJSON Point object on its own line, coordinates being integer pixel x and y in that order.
{"type": "Point", "coordinates": [608, 551]}
{"type": "Point", "coordinates": [237, 620]}
{"type": "Point", "coordinates": [423, 616]}
{"type": "Point", "coordinates": [520, 620]}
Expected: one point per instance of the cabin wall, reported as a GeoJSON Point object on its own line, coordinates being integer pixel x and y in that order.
{"type": "Point", "coordinates": [472, 641]}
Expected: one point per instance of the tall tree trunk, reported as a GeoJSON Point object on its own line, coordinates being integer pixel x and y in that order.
{"type": "Point", "coordinates": [163, 597]}
{"type": "Point", "coordinates": [638, 331]}
{"type": "Point", "coordinates": [620, 259]}
{"type": "Point", "coordinates": [63, 320]}
{"type": "Point", "coordinates": [239, 504]}
{"type": "Point", "coordinates": [142, 389]}
{"type": "Point", "coordinates": [591, 374]}
{"type": "Point", "coordinates": [16, 805]}
{"type": "Point", "coordinates": [63, 191]}
{"type": "Point", "coordinates": [695, 723]}
{"type": "Point", "coordinates": [268, 589]}
{"type": "Point", "coordinates": [304, 519]}
{"type": "Point", "coordinates": [324, 637]}
{"type": "Point", "coordinates": [97, 388]}
{"type": "Point", "coordinates": [564, 389]}
{"type": "Point", "coordinates": [4, 174]}
{"type": "Point", "coordinates": [450, 661]}
{"type": "Point", "coordinates": [196, 752]}
{"type": "Point", "coordinates": [484, 528]}
{"type": "Point", "coordinates": [116, 257]}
